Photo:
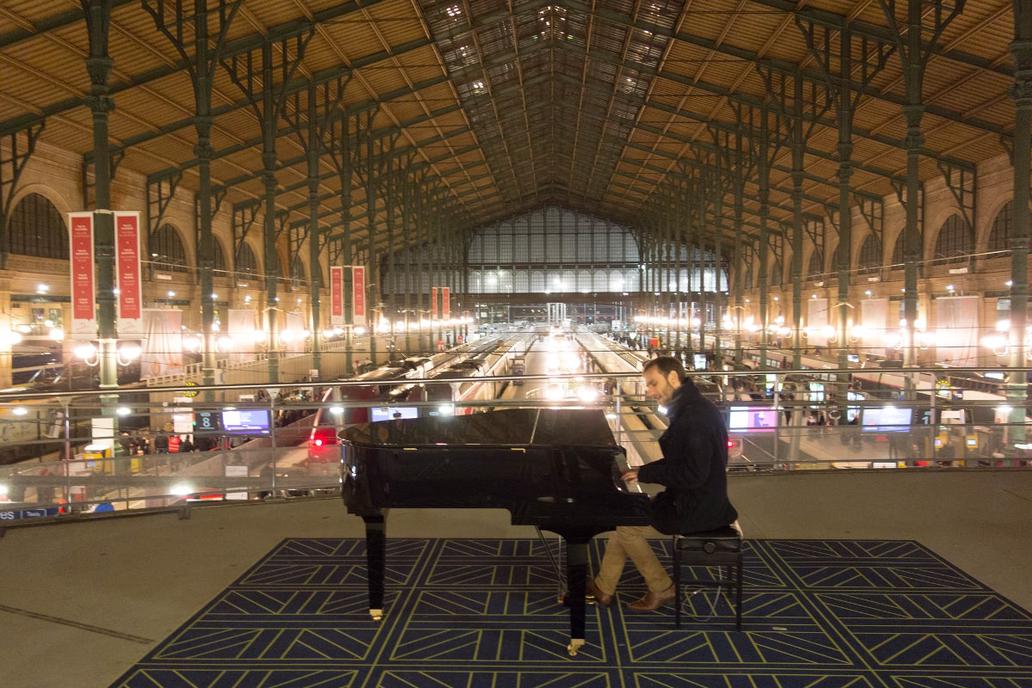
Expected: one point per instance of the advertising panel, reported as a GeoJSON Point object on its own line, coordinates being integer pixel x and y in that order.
{"type": "Point", "coordinates": [336, 295]}
{"type": "Point", "coordinates": [433, 302]}
{"type": "Point", "coordinates": [445, 303]}
{"type": "Point", "coordinates": [358, 294]}
{"type": "Point", "coordinates": [80, 244]}
{"type": "Point", "coordinates": [127, 271]}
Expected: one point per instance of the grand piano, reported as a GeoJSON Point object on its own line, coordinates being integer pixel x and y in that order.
{"type": "Point", "coordinates": [558, 470]}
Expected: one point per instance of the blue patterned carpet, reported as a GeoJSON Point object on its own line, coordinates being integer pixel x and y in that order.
{"type": "Point", "coordinates": [483, 613]}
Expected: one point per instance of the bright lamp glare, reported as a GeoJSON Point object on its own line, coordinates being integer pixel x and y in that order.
{"type": "Point", "coordinates": [123, 410]}
{"type": "Point", "coordinates": [181, 489]}
{"type": "Point", "coordinates": [20, 411]}
{"type": "Point", "coordinates": [130, 352]}
{"type": "Point", "coordinates": [84, 351]}
{"type": "Point", "coordinates": [587, 394]}
{"type": "Point", "coordinates": [336, 410]}
{"type": "Point", "coordinates": [554, 393]}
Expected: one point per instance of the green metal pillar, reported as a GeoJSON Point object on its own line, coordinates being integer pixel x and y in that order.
{"type": "Point", "coordinates": [682, 264]}
{"type": "Point", "coordinates": [912, 251]}
{"type": "Point", "coordinates": [371, 278]}
{"type": "Point", "coordinates": [98, 65]}
{"type": "Point", "coordinates": [412, 319]}
{"type": "Point", "coordinates": [845, 171]}
{"type": "Point", "coordinates": [1021, 49]}
{"type": "Point", "coordinates": [205, 57]}
{"type": "Point", "coordinates": [345, 172]}
{"type": "Point", "coordinates": [698, 249]}
{"type": "Point", "coordinates": [740, 255]}
{"type": "Point", "coordinates": [433, 254]}
{"type": "Point", "coordinates": [670, 219]}
{"type": "Point", "coordinates": [797, 225]}
{"type": "Point", "coordinates": [270, 259]}
{"type": "Point", "coordinates": [764, 182]}
{"type": "Point", "coordinates": [390, 264]}
{"type": "Point", "coordinates": [313, 152]}
{"type": "Point", "coordinates": [422, 268]}
{"type": "Point", "coordinates": [719, 300]}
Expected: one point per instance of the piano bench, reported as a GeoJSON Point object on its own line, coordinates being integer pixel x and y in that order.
{"type": "Point", "coordinates": [722, 548]}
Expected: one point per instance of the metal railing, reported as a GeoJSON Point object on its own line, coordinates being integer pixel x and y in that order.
{"type": "Point", "coordinates": [785, 420]}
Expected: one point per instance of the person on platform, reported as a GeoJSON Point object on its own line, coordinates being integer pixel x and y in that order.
{"type": "Point", "coordinates": [693, 470]}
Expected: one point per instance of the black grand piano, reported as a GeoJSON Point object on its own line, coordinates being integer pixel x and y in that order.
{"type": "Point", "coordinates": [558, 470]}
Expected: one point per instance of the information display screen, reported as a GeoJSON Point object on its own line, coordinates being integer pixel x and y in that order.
{"type": "Point", "coordinates": [744, 419]}
{"type": "Point", "coordinates": [207, 421]}
{"type": "Point", "coordinates": [853, 411]}
{"type": "Point", "coordinates": [886, 419]}
{"type": "Point", "coordinates": [246, 421]}
{"type": "Point", "coordinates": [379, 414]}
{"type": "Point", "coordinates": [699, 361]}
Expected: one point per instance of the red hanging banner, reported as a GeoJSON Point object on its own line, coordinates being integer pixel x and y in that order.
{"type": "Point", "coordinates": [358, 294]}
{"type": "Point", "coordinates": [128, 273]}
{"type": "Point", "coordinates": [336, 295]}
{"type": "Point", "coordinates": [445, 303]}
{"type": "Point", "coordinates": [80, 243]}
{"type": "Point", "coordinates": [433, 303]}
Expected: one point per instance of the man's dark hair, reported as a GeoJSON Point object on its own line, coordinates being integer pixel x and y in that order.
{"type": "Point", "coordinates": [665, 365]}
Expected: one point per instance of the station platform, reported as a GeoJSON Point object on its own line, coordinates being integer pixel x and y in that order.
{"type": "Point", "coordinates": [84, 603]}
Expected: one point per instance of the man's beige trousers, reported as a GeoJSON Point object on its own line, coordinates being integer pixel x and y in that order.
{"type": "Point", "coordinates": [632, 541]}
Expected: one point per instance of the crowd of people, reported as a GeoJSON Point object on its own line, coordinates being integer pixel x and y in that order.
{"type": "Point", "coordinates": [164, 441]}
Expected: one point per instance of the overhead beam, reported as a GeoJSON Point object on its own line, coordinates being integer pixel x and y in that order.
{"type": "Point", "coordinates": [238, 46]}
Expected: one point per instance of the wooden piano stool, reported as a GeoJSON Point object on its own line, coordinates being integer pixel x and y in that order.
{"type": "Point", "coordinates": [721, 548]}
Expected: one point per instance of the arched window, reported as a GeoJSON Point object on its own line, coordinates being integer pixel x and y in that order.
{"type": "Point", "coordinates": [954, 240]}
{"type": "Point", "coordinates": [870, 254]}
{"type": "Point", "coordinates": [816, 266]}
{"type": "Point", "coordinates": [36, 228]}
{"type": "Point", "coordinates": [220, 256]}
{"type": "Point", "coordinates": [246, 263]}
{"type": "Point", "coordinates": [999, 235]}
{"type": "Point", "coordinates": [167, 251]}
{"type": "Point", "coordinates": [297, 271]}
{"type": "Point", "coordinates": [897, 249]}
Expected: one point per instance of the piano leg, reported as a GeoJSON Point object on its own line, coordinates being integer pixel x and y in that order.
{"type": "Point", "coordinates": [576, 583]}
{"type": "Point", "coordinates": [376, 555]}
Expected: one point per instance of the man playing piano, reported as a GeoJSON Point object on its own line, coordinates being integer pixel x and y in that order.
{"type": "Point", "coordinates": [693, 471]}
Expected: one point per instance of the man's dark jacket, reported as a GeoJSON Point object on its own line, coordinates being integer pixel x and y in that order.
{"type": "Point", "coordinates": [693, 467]}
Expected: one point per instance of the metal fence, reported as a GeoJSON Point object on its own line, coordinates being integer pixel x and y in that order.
{"type": "Point", "coordinates": [242, 442]}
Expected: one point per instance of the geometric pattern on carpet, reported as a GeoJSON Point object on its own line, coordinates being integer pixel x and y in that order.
{"type": "Point", "coordinates": [484, 613]}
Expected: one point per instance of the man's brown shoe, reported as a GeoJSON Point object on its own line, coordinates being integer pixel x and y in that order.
{"type": "Point", "coordinates": [601, 599]}
{"type": "Point", "coordinates": [652, 600]}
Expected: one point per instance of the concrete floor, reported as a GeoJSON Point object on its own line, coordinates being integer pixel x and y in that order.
{"type": "Point", "coordinates": [81, 602]}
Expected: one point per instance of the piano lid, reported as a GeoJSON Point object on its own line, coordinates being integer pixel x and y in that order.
{"type": "Point", "coordinates": [509, 427]}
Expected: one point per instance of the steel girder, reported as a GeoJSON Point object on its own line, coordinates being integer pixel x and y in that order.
{"type": "Point", "coordinates": [235, 47]}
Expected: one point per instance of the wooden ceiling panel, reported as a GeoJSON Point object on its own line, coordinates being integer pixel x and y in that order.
{"type": "Point", "coordinates": [625, 139]}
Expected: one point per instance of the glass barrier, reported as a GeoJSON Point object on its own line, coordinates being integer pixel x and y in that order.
{"type": "Point", "coordinates": [171, 448]}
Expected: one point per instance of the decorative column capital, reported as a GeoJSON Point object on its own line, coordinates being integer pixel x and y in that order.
{"type": "Point", "coordinates": [1021, 90]}
{"type": "Point", "coordinates": [100, 104]}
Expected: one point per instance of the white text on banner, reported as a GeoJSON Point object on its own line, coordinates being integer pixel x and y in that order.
{"type": "Point", "coordinates": [336, 295]}
{"type": "Point", "coordinates": [358, 294]}
{"type": "Point", "coordinates": [127, 268]}
{"type": "Point", "coordinates": [80, 242]}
